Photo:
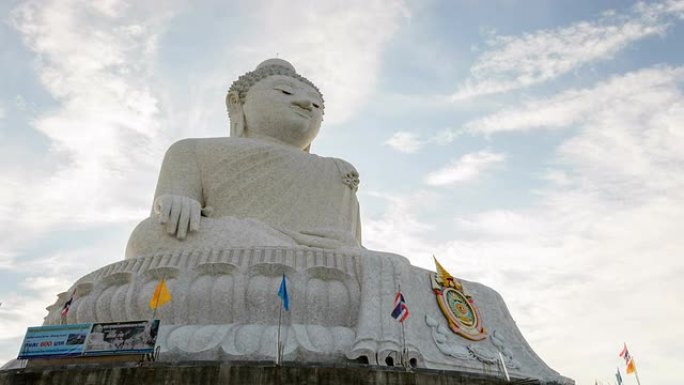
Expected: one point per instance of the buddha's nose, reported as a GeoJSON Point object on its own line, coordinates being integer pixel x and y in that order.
{"type": "Point", "coordinates": [304, 103]}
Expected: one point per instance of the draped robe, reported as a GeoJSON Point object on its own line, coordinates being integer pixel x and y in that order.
{"type": "Point", "coordinates": [255, 192]}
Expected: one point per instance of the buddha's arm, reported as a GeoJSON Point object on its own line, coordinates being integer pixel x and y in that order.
{"type": "Point", "coordinates": [178, 197]}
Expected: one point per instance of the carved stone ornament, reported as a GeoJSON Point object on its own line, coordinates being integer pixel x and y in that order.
{"type": "Point", "coordinates": [449, 345]}
{"type": "Point", "coordinates": [459, 308]}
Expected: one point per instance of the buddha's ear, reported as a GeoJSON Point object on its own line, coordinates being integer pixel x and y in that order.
{"type": "Point", "coordinates": [233, 99]}
{"type": "Point", "coordinates": [237, 118]}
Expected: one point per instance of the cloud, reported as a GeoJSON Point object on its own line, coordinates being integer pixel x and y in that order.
{"type": "Point", "coordinates": [102, 133]}
{"type": "Point", "coordinates": [410, 143]}
{"type": "Point", "coordinates": [400, 217]}
{"type": "Point", "coordinates": [406, 142]}
{"type": "Point", "coordinates": [445, 136]}
{"type": "Point", "coordinates": [644, 90]}
{"type": "Point", "coordinates": [466, 168]}
{"type": "Point", "coordinates": [514, 62]}
{"type": "Point", "coordinates": [97, 60]}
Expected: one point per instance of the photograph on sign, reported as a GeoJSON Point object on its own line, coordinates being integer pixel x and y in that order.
{"type": "Point", "coordinates": [137, 337]}
{"type": "Point", "coordinates": [54, 341]}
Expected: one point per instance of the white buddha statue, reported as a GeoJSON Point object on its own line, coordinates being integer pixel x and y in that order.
{"type": "Point", "coordinates": [232, 216]}
{"type": "Point", "coordinates": [261, 186]}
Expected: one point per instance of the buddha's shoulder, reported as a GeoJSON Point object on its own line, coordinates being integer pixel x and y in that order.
{"type": "Point", "coordinates": [203, 142]}
{"type": "Point", "coordinates": [204, 145]}
{"type": "Point", "coordinates": [346, 170]}
{"type": "Point", "coordinates": [212, 146]}
{"type": "Point", "coordinates": [345, 167]}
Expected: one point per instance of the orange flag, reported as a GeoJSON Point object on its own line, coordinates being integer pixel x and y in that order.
{"type": "Point", "coordinates": [161, 295]}
{"type": "Point", "coordinates": [630, 366]}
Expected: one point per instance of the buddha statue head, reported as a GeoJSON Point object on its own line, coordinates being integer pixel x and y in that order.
{"type": "Point", "coordinates": [273, 102]}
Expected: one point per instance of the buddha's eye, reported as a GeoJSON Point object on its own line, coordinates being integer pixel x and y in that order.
{"type": "Point", "coordinates": [286, 92]}
{"type": "Point", "coordinates": [316, 105]}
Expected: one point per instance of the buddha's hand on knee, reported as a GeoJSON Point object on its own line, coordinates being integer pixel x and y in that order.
{"type": "Point", "coordinates": [180, 214]}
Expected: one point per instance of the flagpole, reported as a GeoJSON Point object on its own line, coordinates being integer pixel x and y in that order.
{"type": "Point", "coordinates": [404, 361]}
{"type": "Point", "coordinates": [636, 374]}
{"type": "Point", "coordinates": [503, 367]}
{"type": "Point", "coordinates": [278, 351]}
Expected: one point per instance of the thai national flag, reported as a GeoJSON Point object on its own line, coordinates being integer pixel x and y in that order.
{"type": "Point", "coordinates": [625, 354]}
{"type": "Point", "coordinates": [400, 312]}
{"type": "Point", "coordinates": [67, 305]}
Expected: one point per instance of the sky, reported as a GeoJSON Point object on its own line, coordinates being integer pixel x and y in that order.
{"type": "Point", "coordinates": [532, 146]}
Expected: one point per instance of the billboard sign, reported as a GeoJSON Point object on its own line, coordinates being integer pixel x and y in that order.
{"type": "Point", "coordinates": [114, 338]}
{"type": "Point", "coordinates": [105, 338]}
{"type": "Point", "coordinates": [54, 341]}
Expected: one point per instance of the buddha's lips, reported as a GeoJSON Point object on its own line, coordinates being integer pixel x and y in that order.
{"type": "Point", "coordinates": [302, 111]}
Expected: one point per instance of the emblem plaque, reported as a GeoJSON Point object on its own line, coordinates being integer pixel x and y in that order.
{"type": "Point", "coordinates": [459, 308]}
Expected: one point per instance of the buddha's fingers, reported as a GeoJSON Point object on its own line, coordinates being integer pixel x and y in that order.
{"type": "Point", "coordinates": [184, 220]}
{"type": "Point", "coordinates": [176, 208]}
{"type": "Point", "coordinates": [162, 206]}
{"type": "Point", "coordinates": [195, 214]}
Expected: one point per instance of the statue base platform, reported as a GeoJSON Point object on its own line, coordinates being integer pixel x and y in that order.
{"type": "Point", "coordinates": [225, 308]}
{"type": "Point", "coordinates": [252, 373]}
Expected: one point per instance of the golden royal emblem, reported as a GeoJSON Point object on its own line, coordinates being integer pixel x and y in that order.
{"type": "Point", "coordinates": [458, 307]}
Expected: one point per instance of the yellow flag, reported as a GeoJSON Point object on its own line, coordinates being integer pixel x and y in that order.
{"type": "Point", "coordinates": [161, 295]}
{"type": "Point", "coordinates": [630, 366]}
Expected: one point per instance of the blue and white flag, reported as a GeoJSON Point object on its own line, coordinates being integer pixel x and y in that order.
{"type": "Point", "coordinates": [618, 377]}
{"type": "Point", "coordinates": [282, 293]}
{"type": "Point", "coordinates": [400, 312]}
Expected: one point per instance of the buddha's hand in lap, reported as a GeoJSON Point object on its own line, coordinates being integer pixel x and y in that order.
{"type": "Point", "coordinates": [180, 214]}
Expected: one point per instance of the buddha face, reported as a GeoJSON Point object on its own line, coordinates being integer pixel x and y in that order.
{"type": "Point", "coordinates": [283, 108]}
